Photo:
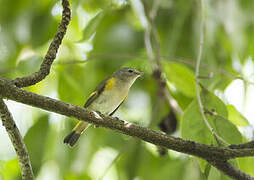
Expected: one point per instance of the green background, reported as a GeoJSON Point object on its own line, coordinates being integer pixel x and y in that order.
{"type": "Point", "coordinates": [104, 36]}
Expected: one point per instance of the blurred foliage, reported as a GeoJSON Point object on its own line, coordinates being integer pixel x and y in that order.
{"type": "Point", "coordinates": [105, 35]}
{"type": "Point", "coordinates": [36, 149]}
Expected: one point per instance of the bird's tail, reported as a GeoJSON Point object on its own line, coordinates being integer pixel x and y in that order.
{"type": "Point", "coordinates": [74, 135]}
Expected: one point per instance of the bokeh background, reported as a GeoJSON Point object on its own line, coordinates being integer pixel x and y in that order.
{"type": "Point", "coordinates": [102, 37]}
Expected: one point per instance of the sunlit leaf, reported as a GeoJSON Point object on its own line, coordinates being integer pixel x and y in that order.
{"type": "Point", "coordinates": [10, 169]}
{"type": "Point", "coordinates": [245, 165]}
{"type": "Point", "coordinates": [236, 117]}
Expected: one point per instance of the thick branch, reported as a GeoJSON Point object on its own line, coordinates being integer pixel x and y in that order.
{"type": "Point", "coordinates": [51, 53]}
{"type": "Point", "coordinates": [9, 91]}
{"type": "Point", "coordinates": [244, 145]}
{"type": "Point", "coordinates": [17, 141]}
{"type": "Point", "coordinates": [230, 170]}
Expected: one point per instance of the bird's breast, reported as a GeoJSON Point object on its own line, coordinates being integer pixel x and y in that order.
{"type": "Point", "coordinates": [109, 100]}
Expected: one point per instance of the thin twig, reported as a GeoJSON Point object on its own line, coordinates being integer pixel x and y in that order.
{"type": "Point", "coordinates": [199, 57]}
{"type": "Point", "coordinates": [51, 53]}
{"type": "Point", "coordinates": [149, 48]}
{"type": "Point", "coordinates": [17, 142]}
{"type": "Point", "coordinates": [155, 60]}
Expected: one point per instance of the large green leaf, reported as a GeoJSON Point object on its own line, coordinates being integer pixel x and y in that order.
{"type": "Point", "coordinates": [236, 117]}
{"type": "Point", "coordinates": [226, 129]}
{"type": "Point", "coordinates": [218, 118]}
{"type": "Point", "coordinates": [181, 77]}
{"type": "Point", "coordinates": [194, 128]}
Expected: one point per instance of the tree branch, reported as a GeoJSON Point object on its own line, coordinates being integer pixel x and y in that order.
{"type": "Point", "coordinates": [230, 170]}
{"type": "Point", "coordinates": [51, 53]}
{"type": "Point", "coordinates": [242, 146]}
{"type": "Point", "coordinates": [8, 122]}
{"type": "Point", "coordinates": [17, 141]}
{"type": "Point", "coordinates": [10, 91]}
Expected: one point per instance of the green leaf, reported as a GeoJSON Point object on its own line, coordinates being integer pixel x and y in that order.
{"type": "Point", "coordinates": [236, 117]}
{"type": "Point", "coordinates": [214, 174]}
{"type": "Point", "coordinates": [181, 77]}
{"type": "Point", "coordinates": [212, 103]}
{"type": "Point", "coordinates": [218, 119]}
{"type": "Point", "coordinates": [225, 129]}
{"type": "Point", "coordinates": [194, 128]}
{"type": "Point", "coordinates": [35, 141]}
{"type": "Point", "coordinates": [246, 165]}
{"type": "Point", "coordinates": [92, 26]}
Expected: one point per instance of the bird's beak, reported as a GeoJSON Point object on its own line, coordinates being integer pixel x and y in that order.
{"type": "Point", "coordinates": [139, 73]}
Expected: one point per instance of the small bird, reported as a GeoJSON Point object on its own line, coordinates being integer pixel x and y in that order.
{"type": "Point", "coordinates": [106, 98]}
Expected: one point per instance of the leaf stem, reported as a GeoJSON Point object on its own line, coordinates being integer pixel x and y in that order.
{"type": "Point", "coordinates": [199, 57]}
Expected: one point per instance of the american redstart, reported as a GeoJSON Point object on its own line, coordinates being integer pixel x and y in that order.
{"type": "Point", "coordinates": [106, 98]}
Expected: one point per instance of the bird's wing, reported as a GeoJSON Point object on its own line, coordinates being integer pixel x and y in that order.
{"type": "Point", "coordinates": [111, 114]}
{"type": "Point", "coordinates": [98, 90]}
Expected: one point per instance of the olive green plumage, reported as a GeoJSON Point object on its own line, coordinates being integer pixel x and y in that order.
{"type": "Point", "coordinates": [106, 98]}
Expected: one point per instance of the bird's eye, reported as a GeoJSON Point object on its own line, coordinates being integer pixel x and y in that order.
{"type": "Point", "coordinates": [130, 71]}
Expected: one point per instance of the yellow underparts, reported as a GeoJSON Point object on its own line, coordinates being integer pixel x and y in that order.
{"type": "Point", "coordinates": [110, 83]}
